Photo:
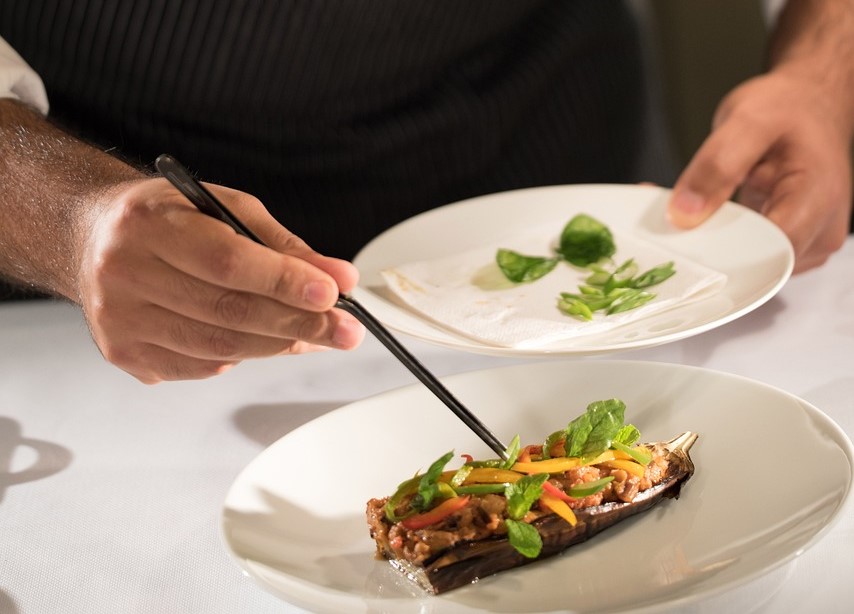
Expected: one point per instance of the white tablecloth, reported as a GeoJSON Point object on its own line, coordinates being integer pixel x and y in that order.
{"type": "Point", "coordinates": [110, 491]}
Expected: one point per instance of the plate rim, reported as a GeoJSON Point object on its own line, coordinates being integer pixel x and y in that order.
{"type": "Point", "coordinates": [307, 590]}
{"type": "Point", "coordinates": [449, 339]}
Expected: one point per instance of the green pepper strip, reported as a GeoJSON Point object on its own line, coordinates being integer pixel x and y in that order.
{"type": "Point", "coordinates": [405, 489]}
{"type": "Point", "coordinates": [481, 489]}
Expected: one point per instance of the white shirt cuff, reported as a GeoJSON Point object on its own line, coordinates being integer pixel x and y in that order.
{"type": "Point", "coordinates": [19, 81]}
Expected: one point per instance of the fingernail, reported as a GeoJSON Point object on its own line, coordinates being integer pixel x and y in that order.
{"type": "Point", "coordinates": [318, 293]}
{"type": "Point", "coordinates": [689, 202]}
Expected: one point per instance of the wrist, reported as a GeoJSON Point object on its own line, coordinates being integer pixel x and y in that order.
{"type": "Point", "coordinates": [813, 44]}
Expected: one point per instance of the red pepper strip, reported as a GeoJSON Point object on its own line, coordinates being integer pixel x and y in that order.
{"type": "Point", "coordinates": [556, 492]}
{"type": "Point", "coordinates": [469, 458]}
{"type": "Point", "coordinates": [441, 511]}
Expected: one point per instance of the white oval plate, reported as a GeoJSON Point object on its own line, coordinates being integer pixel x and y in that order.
{"type": "Point", "coordinates": [754, 253]}
{"type": "Point", "coordinates": [294, 519]}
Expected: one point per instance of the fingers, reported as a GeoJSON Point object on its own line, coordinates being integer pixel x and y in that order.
{"type": "Point", "coordinates": [776, 145]}
{"type": "Point", "coordinates": [815, 221]}
{"type": "Point", "coordinates": [282, 240]}
{"type": "Point", "coordinates": [170, 293]}
{"type": "Point", "coordinates": [166, 346]}
{"type": "Point", "coordinates": [712, 176]}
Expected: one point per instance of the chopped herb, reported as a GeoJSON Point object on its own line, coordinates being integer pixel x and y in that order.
{"type": "Point", "coordinates": [428, 486]}
{"type": "Point", "coordinates": [524, 538]}
{"type": "Point", "coordinates": [523, 494]}
{"type": "Point", "coordinates": [585, 241]}
{"type": "Point", "coordinates": [521, 269]}
{"type": "Point", "coordinates": [512, 453]}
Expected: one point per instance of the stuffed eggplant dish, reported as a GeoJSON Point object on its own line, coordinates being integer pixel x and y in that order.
{"type": "Point", "coordinates": [446, 528]}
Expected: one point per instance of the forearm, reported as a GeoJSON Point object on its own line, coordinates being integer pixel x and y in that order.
{"type": "Point", "coordinates": [52, 186]}
{"type": "Point", "coordinates": [814, 40]}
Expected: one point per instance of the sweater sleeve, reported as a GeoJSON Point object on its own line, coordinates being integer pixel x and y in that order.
{"type": "Point", "coordinates": [19, 81]}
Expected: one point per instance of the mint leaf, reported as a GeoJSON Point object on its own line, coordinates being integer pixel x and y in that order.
{"type": "Point", "coordinates": [522, 494]}
{"type": "Point", "coordinates": [551, 440]}
{"type": "Point", "coordinates": [576, 435]}
{"type": "Point", "coordinates": [592, 432]}
{"type": "Point", "coordinates": [585, 240]}
{"type": "Point", "coordinates": [627, 435]}
{"type": "Point", "coordinates": [524, 538]}
{"type": "Point", "coordinates": [519, 268]}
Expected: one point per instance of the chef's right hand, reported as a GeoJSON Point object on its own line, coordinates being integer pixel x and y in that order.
{"type": "Point", "coordinates": [170, 293]}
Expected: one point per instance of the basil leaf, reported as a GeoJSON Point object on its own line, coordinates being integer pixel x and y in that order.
{"type": "Point", "coordinates": [524, 538]}
{"type": "Point", "coordinates": [585, 240]}
{"type": "Point", "coordinates": [522, 494]}
{"type": "Point", "coordinates": [427, 486]}
{"type": "Point", "coordinates": [519, 268]}
{"type": "Point", "coordinates": [592, 432]}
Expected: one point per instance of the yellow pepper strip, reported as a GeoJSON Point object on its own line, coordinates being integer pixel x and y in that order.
{"type": "Point", "coordinates": [550, 465]}
{"type": "Point", "coordinates": [485, 475]}
{"type": "Point", "coordinates": [606, 456]}
{"type": "Point", "coordinates": [558, 507]}
{"type": "Point", "coordinates": [631, 466]}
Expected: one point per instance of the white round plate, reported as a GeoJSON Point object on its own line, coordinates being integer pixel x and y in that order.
{"type": "Point", "coordinates": [754, 253]}
{"type": "Point", "coordinates": [772, 474]}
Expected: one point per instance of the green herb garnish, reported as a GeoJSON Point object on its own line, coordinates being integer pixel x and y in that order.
{"type": "Point", "coordinates": [587, 242]}
{"type": "Point", "coordinates": [520, 269]}
{"type": "Point", "coordinates": [521, 495]}
{"type": "Point", "coordinates": [592, 432]}
{"type": "Point", "coordinates": [428, 486]}
{"type": "Point", "coordinates": [524, 538]}
{"type": "Point", "coordinates": [599, 428]}
{"type": "Point", "coordinates": [512, 453]}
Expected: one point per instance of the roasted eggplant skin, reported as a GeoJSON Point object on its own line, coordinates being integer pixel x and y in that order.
{"type": "Point", "coordinates": [469, 561]}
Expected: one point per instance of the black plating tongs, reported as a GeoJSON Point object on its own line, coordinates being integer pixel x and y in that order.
{"type": "Point", "coordinates": [207, 203]}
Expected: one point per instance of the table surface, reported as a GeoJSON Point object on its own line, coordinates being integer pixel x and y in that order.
{"type": "Point", "coordinates": [111, 491]}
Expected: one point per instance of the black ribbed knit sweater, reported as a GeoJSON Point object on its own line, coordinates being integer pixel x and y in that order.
{"type": "Point", "coordinates": [345, 117]}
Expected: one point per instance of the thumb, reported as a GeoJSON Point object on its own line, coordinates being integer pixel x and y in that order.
{"type": "Point", "coordinates": [718, 167]}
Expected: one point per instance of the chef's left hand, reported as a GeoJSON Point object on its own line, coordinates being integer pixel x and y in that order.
{"type": "Point", "coordinates": [780, 145]}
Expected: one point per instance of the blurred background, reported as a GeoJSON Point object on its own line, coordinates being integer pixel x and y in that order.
{"type": "Point", "coordinates": [696, 53]}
